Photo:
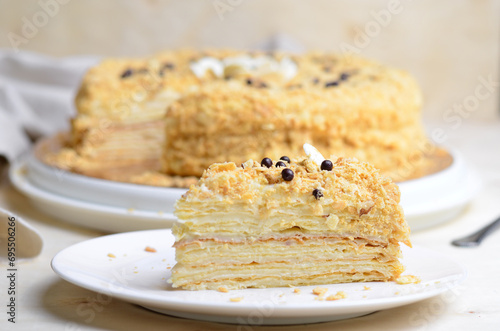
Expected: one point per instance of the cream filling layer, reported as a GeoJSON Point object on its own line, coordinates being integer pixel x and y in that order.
{"type": "Point", "coordinates": [241, 226]}
{"type": "Point", "coordinates": [284, 273]}
{"type": "Point", "coordinates": [194, 255]}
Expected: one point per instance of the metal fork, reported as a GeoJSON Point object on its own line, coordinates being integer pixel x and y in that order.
{"type": "Point", "coordinates": [475, 239]}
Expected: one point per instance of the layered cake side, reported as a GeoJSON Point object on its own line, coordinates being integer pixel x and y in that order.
{"type": "Point", "coordinates": [118, 131]}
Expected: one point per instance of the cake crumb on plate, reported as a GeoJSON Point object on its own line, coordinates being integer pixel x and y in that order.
{"type": "Point", "coordinates": [237, 299]}
{"type": "Point", "coordinates": [320, 291]}
{"type": "Point", "coordinates": [339, 295]}
{"type": "Point", "coordinates": [408, 279]}
{"type": "Point", "coordinates": [150, 249]}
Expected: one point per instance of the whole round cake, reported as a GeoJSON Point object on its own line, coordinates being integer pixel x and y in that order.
{"type": "Point", "coordinates": [176, 113]}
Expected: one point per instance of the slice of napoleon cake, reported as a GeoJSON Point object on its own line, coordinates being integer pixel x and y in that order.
{"type": "Point", "coordinates": [276, 223]}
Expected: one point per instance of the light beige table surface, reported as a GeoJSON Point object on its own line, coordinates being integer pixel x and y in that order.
{"type": "Point", "coordinates": [46, 302]}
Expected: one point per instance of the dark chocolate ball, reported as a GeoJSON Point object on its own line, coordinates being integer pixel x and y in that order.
{"type": "Point", "coordinates": [287, 174]}
{"type": "Point", "coordinates": [266, 162]}
{"type": "Point", "coordinates": [285, 158]}
{"type": "Point", "coordinates": [326, 165]}
{"type": "Point", "coordinates": [317, 193]}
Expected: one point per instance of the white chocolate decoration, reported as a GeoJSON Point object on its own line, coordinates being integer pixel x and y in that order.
{"type": "Point", "coordinates": [257, 65]}
{"type": "Point", "coordinates": [205, 64]}
{"type": "Point", "coordinates": [313, 154]}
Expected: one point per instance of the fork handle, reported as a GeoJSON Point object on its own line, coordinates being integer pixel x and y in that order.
{"type": "Point", "coordinates": [476, 238]}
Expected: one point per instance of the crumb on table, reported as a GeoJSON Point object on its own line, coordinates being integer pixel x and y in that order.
{"type": "Point", "coordinates": [223, 289]}
{"type": "Point", "coordinates": [111, 255]}
{"type": "Point", "coordinates": [296, 290]}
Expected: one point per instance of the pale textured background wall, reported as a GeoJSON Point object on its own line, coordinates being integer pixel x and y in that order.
{"type": "Point", "coordinates": [450, 46]}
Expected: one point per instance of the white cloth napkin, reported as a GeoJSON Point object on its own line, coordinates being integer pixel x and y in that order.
{"type": "Point", "coordinates": [36, 96]}
{"type": "Point", "coordinates": [36, 99]}
{"type": "Point", "coordinates": [18, 240]}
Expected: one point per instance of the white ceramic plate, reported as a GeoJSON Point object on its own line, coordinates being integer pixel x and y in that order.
{"type": "Point", "coordinates": [100, 191]}
{"type": "Point", "coordinates": [140, 277]}
{"type": "Point", "coordinates": [88, 214]}
{"type": "Point", "coordinates": [117, 207]}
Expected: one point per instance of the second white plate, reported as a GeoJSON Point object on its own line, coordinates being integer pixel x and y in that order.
{"type": "Point", "coordinates": [140, 277]}
{"type": "Point", "coordinates": [88, 214]}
